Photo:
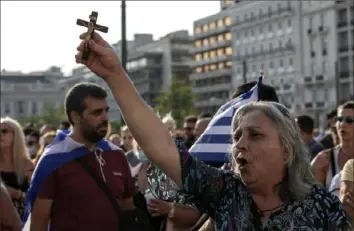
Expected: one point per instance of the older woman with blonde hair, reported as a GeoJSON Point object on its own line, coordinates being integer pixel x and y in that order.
{"type": "Point", "coordinates": [15, 165]}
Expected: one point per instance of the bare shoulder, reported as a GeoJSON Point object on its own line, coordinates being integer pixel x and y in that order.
{"type": "Point", "coordinates": [324, 153]}
{"type": "Point", "coordinates": [29, 165]}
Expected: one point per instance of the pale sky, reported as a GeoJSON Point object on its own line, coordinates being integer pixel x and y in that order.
{"type": "Point", "coordinates": [39, 34]}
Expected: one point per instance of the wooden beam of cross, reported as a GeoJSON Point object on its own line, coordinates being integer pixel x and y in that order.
{"type": "Point", "coordinates": [91, 26]}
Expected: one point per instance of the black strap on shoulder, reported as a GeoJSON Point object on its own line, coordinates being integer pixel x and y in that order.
{"type": "Point", "coordinates": [333, 163]}
{"type": "Point", "coordinates": [102, 185]}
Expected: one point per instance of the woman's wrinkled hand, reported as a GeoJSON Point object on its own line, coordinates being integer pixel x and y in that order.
{"type": "Point", "coordinates": [160, 207]}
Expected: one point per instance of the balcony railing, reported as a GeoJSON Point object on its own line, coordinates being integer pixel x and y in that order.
{"type": "Point", "coordinates": [344, 74]}
{"type": "Point", "coordinates": [342, 23]}
{"type": "Point", "coordinates": [343, 48]}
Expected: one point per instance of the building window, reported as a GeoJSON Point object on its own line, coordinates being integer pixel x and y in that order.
{"type": "Point", "coordinates": [20, 108]}
{"type": "Point", "coordinates": [228, 63]}
{"type": "Point", "coordinates": [290, 61]}
{"type": "Point", "coordinates": [206, 55]}
{"type": "Point", "coordinates": [228, 36]}
{"type": "Point", "coordinates": [221, 65]}
{"type": "Point", "coordinates": [271, 65]}
{"type": "Point", "coordinates": [262, 66]}
{"type": "Point", "coordinates": [253, 67]}
{"type": "Point", "coordinates": [198, 57]}
{"type": "Point", "coordinates": [261, 29]}
{"type": "Point", "coordinates": [212, 40]}
{"type": "Point", "coordinates": [7, 108]}
{"type": "Point", "coordinates": [281, 63]}
{"type": "Point", "coordinates": [245, 17]}
{"type": "Point", "coordinates": [228, 51]}
{"type": "Point", "coordinates": [324, 67]}
{"type": "Point", "coordinates": [289, 22]}
{"type": "Point", "coordinates": [262, 48]}
{"type": "Point", "coordinates": [310, 22]}
{"type": "Point", "coordinates": [344, 64]}
{"type": "Point", "coordinates": [206, 68]}
{"type": "Point", "coordinates": [252, 32]}
{"type": "Point", "coordinates": [270, 27]}
{"type": "Point", "coordinates": [227, 21]}
{"type": "Point", "coordinates": [198, 43]}
{"type": "Point", "coordinates": [34, 108]}
{"type": "Point", "coordinates": [313, 65]}
{"type": "Point", "coordinates": [212, 67]}
{"type": "Point", "coordinates": [220, 52]}
{"type": "Point", "coordinates": [280, 44]}
{"type": "Point", "coordinates": [212, 25]}
{"type": "Point", "coordinates": [270, 47]}
{"type": "Point", "coordinates": [220, 37]}
{"type": "Point", "coordinates": [205, 28]}
{"type": "Point", "coordinates": [252, 15]}
{"type": "Point", "coordinates": [198, 69]}
{"type": "Point", "coordinates": [205, 42]}
{"type": "Point", "coordinates": [197, 30]}
{"type": "Point", "coordinates": [279, 25]}
{"type": "Point", "coordinates": [322, 19]}
{"type": "Point", "coordinates": [220, 23]}
{"type": "Point", "coordinates": [212, 54]}
{"type": "Point", "coordinates": [269, 10]}
{"type": "Point", "coordinates": [227, 2]}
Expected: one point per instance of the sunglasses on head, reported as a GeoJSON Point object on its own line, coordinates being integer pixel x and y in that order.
{"type": "Point", "coordinates": [4, 130]}
{"type": "Point", "coordinates": [346, 119]}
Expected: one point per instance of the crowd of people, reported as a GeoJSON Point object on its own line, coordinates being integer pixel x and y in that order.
{"type": "Point", "coordinates": [282, 174]}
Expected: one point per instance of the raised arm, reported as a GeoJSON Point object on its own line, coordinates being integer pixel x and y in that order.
{"type": "Point", "coordinates": [140, 118]}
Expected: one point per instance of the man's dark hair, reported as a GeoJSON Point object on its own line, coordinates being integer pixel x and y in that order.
{"type": "Point", "coordinates": [347, 105]}
{"type": "Point", "coordinates": [305, 123]}
{"type": "Point", "coordinates": [75, 98]}
{"type": "Point", "coordinates": [65, 124]}
{"type": "Point", "coordinates": [266, 92]}
{"type": "Point", "coordinates": [28, 130]}
{"type": "Point", "coordinates": [332, 114]}
{"type": "Point", "coordinates": [190, 119]}
{"type": "Point", "coordinates": [36, 135]}
{"type": "Point", "coordinates": [204, 115]}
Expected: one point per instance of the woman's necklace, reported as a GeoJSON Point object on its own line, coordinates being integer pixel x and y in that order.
{"type": "Point", "coordinates": [270, 210]}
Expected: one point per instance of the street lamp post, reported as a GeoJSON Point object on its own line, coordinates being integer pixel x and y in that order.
{"type": "Point", "coordinates": [124, 39]}
{"type": "Point", "coordinates": [123, 44]}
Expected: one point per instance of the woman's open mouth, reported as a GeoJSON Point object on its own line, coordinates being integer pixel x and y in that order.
{"type": "Point", "coordinates": [241, 161]}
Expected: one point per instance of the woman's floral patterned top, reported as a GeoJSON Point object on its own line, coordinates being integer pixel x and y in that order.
{"type": "Point", "coordinates": [229, 203]}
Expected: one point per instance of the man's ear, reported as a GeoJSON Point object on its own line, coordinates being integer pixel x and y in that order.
{"type": "Point", "coordinates": [75, 117]}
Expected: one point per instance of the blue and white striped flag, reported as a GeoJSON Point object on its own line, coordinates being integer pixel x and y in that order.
{"type": "Point", "coordinates": [214, 144]}
{"type": "Point", "coordinates": [61, 151]}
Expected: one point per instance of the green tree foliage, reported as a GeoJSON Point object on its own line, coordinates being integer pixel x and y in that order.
{"type": "Point", "coordinates": [51, 115]}
{"type": "Point", "coordinates": [178, 99]}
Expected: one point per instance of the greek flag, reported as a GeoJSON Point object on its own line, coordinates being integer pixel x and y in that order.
{"type": "Point", "coordinates": [61, 151]}
{"type": "Point", "coordinates": [214, 144]}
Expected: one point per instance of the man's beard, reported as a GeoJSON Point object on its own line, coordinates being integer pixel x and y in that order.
{"type": "Point", "coordinates": [92, 134]}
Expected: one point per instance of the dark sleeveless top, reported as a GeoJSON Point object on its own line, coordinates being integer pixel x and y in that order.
{"type": "Point", "coordinates": [10, 179]}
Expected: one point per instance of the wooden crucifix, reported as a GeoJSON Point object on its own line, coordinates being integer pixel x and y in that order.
{"type": "Point", "coordinates": [91, 25]}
